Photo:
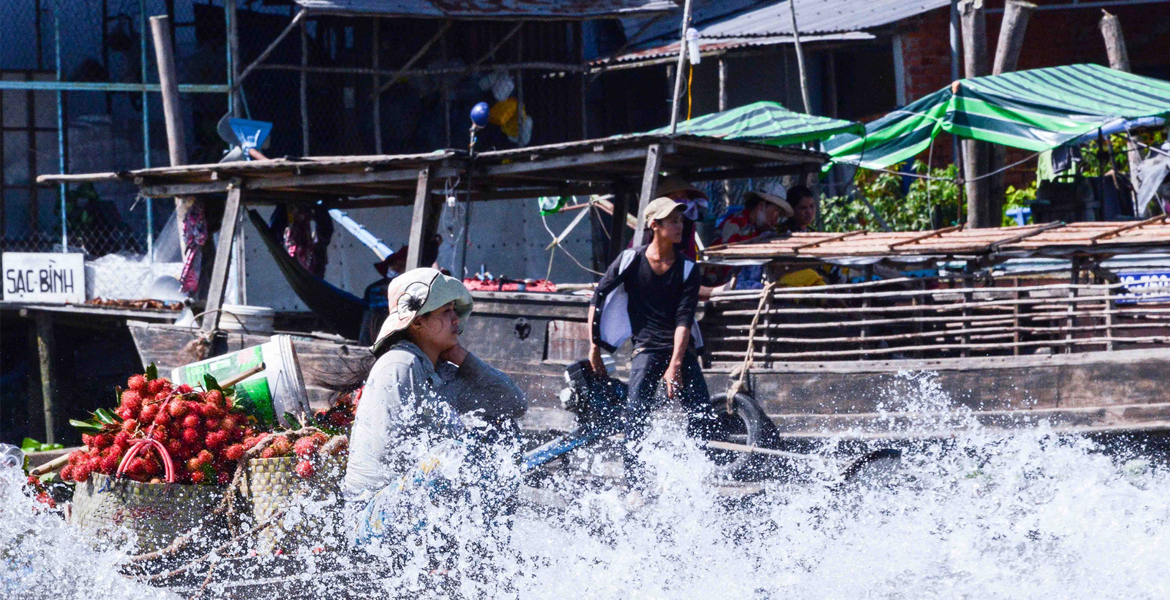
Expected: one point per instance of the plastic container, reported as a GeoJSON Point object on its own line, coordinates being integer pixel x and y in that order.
{"type": "Point", "coordinates": [250, 319]}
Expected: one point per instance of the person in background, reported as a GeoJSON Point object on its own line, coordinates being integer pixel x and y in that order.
{"type": "Point", "coordinates": [758, 220]}
{"type": "Point", "coordinates": [694, 202]}
{"type": "Point", "coordinates": [375, 296]}
{"type": "Point", "coordinates": [649, 294]}
{"type": "Point", "coordinates": [804, 208]}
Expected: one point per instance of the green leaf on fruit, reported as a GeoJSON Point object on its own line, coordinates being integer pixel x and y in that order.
{"type": "Point", "coordinates": [31, 445]}
{"type": "Point", "coordinates": [151, 372]}
{"type": "Point", "coordinates": [107, 416]}
{"type": "Point", "coordinates": [294, 423]}
{"type": "Point", "coordinates": [87, 426]}
{"type": "Point", "coordinates": [211, 383]}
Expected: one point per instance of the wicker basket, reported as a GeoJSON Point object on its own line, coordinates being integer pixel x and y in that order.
{"type": "Point", "coordinates": [312, 506]}
{"type": "Point", "coordinates": [154, 513]}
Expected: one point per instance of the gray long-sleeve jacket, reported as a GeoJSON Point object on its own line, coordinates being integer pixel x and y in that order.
{"type": "Point", "coordinates": [407, 399]}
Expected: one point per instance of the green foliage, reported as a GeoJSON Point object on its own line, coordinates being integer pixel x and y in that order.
{"type": "Point", "coordinates": [1014, 198]}
{"type": "Point", "coordinates": [910, 212]}
{"type": "Point", "coordinates": [1092, 164]}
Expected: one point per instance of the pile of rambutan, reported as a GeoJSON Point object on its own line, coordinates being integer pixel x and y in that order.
{"type": "Point", "coordinates": [309, 445]}
{"type": "Point", "coordinates": [202, 431]}
{"type": "Point", "coordinates": [340, 415]}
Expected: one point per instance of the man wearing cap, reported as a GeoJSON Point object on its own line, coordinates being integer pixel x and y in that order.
{"type": "Point", "coordinates": [649, 295]}
{"type": "Point", "coordinates": [694, 201]}
{"type": "Point", "coordinates": [759, 218]}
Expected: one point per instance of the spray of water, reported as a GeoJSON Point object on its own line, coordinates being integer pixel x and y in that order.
{"type": "Point", "coordinates": [980, 514]}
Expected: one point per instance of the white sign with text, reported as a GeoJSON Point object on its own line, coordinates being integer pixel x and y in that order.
{"type": "Point", "coordinates": [44, 277]}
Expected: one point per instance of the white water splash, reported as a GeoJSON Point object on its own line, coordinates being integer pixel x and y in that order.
{"type": "Point", "coordinates": [987, 515]}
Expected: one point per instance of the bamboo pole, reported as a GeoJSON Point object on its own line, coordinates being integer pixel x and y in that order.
{"type": "Point", "coordinates": [800, 59]}
{"type": "Point", "coordinates": [678, 71]}
{"type": "Point", "coordinates": [164, 55]}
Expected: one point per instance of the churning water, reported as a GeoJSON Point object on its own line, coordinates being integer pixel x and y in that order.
{"type": "Point", "coordinates": [982, 514]}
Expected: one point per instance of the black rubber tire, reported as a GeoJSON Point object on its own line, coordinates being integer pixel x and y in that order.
{"type": "Point", "coordinates": [748, 420]}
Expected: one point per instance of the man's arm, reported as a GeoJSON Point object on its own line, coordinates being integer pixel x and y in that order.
{"type": "Point", "coordinates": [608, 282]}
{"type": "Point", "coordinates": [684, 318]}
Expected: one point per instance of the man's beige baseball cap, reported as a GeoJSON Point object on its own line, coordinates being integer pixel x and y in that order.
{"type": "Point", "coordinates": [660, 208]}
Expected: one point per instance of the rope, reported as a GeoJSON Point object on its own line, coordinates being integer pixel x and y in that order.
{"type": "Point", "coordinates": [737, 385]}
{"type": "Point", "coordinates": [556, 243]}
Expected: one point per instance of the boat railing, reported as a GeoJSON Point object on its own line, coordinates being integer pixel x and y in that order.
{"type": "Point", "coordinates": [941, 317]}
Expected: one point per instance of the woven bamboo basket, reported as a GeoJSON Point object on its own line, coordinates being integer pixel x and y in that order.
{"type": "Point", "coordinates": [311, 507]}
{"type": "Point", "coordinates": [152, 514]}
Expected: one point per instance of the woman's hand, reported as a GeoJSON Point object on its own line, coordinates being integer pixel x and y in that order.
{"type": "Point", "coordinates": [596, 363]}
{"type": "Point", "coordinates": [455, 354]}
{"type": "Point", "coordinates": [670, 378]}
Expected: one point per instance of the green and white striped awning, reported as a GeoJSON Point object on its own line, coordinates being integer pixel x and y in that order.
{"type": "Point", "coordinates": [764, 123]}
{"type": "Point", "coordinates": [1034, 110]}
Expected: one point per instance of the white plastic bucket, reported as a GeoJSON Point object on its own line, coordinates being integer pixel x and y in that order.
{"type": "Point", "coordinates": [252, 319]}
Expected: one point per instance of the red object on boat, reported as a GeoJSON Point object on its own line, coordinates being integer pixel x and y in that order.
{"type": "Point", "coordinates": [509, 285]}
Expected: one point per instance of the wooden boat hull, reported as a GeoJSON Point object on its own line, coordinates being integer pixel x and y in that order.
{"type": "Point", "coordinates": [531, 337]}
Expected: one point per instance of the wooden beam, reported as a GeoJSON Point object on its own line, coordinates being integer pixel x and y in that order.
{"type": "Point", "coordinates": [975, 154]}
{"type": "Point", "coordinates": [564, 162]}
{"type": "Point", "coordinates": [1119, 59]}
{"type": "Point", "coordinates": [423, 206]}
{"type": "Point", "coordinates": [45, 345]}
{"type": "Point", "coordinates": [296, 20]}
{"type": "Point", "coordinates": [289, 182]}
{"type": "Point", "coordinates": [164, 54]}
{"type": "Point", "coordinates": [223, 256]}
{"type": "Point", "coordinates": [649, 187]}
{"type": "Point", "coordinates": [1007, 54]}
{"type": "Point", "coordinates": [617, 232]}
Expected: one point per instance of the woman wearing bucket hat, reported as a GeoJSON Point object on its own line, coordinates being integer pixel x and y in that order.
{"type": "Point", "coordinates": [761, 214]}
{"type": "Point", "coordinates": [422, 383]}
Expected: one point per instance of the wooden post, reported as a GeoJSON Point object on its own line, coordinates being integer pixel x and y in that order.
{"type": "Point", "coordinates": [223, 258]}
{"type": "Point", "coordinates": [579, 31]}
{"type": "Point", "coordinates": [1016, 317]}
{"type": "Point", "coordinates": [800, 59]}
{"type": "Point", "coordinates": [1119, 59]}
{"type": "Point", "coordinates": [377, 49]}
{"type": "Point", "coordinates": [617, 234]}
{"type": "Point", "coordinates": [975, 153]}
{"type": "Point", "coordinates": [45, 353]}
{"type": "Point", "coordinates": [1007, 54]}
{"type": "Point", "coordinates": [830, 108]}
{"type": "Point", "coordinates": [678, 72]}
{"type": "Point", "coordinates": [722, 84]}
{"type": "Point", "coordinates": [304, 90]}
{"type": "Point", "coordinates": [164, 54]}
{"type": "Point", "coordinates": [233, 42]}
{"type": "Point", "coordinates": [423, 207]}
{"type": "Point", "coordinates": [649, 185]}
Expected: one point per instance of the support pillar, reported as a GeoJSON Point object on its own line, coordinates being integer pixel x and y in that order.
{"type": "Point", "coordinates": [421, 220]}
{"type": "Point", "coordinates": [223, 258]}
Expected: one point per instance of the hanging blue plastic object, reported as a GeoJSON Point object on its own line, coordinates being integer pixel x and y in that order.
{"type": "Point", "coordinates": [479, 114]}
{"type": "Point", "coordinates": [251, 134]}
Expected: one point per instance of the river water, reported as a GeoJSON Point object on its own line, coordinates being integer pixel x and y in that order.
{"type": "Point", "coordinates": [983, 515]}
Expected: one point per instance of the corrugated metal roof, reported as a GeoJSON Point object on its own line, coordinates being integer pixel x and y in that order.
{"type": "Point", "coordinates": [747, 18]}
{"type": "Point", "coordinates": [720, 45]}
{"type": "Point", "coordinates": [491, 9]}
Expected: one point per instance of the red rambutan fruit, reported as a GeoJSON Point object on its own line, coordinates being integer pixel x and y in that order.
{"type": "Point", "coordinates": [149, 412]}
{"type": "Point", "coordinates": [214, 397]}
{"type": "Point", "coordinates": [177, 408]}
{"type": "Point", "coordinates": [132, 399]}
{"type": "Point", "coordinates": [159, 435]}
{"type": "Point", "coordinates": [190, 436]}
{"type": "Point", "coordinates": [67, 473]}
{"type": "Point", "coordinates": [81, 472]}
{"type": "Point", "coordinates": [86, 439]}
{"type": "Point", "coordinates": [192, 421]}
{"type": "Point", "coordinates": [185, 389]}
{"type": "Point", "coordinates": [109, 464]}
{"type": "Point", "coordinates": [197, 477]}
{"type": "Point", "coordinates": [215, 439]}
{"type": "Point", "coordinates": [304, 469]}
{"type": "Point", "coordinates": [223, 478]}
{"type": "Point", "coordinates": [230, 422]}
{"type": "Point", "coordinates": [125, 413]}
{"type": "Point", "coordinates": [101, 440]}
{"type": "Point", "coordinates": [305, 447]}
{"type": "Point", "coordinates": [137, 469]}
{"type": "Point", "coordinates": [211, 424]}
{"type": "Point", "coordinates": [268, 452]}
{"type": "Point", "coordinates": [282, 445]}
{"type": "Point", "coordinates": [76, 456]}
{"type": "Point", "coordinates": [136, 382]}
{"type": "Point", "coordinates": [234, 452]}
{"type": "Point", "coordinates": [174, 446]}
{"type": "Point", "coordinates": [251, 440]}
{"type": "Point", "coordinates": [210, 411]}
{"type": "Point", "coordinates": [157, 385]}
{"type": "Point", "coordinates": [122, 439]}
{"type": "Point", "coordinates": [129, 425]}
